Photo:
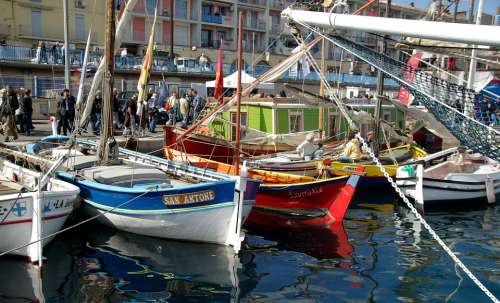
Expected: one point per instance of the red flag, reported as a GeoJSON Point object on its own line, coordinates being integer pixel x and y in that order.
{"type": "Point", "coordinates": [409, 75]}
{"type": "Point", "coordinates": [219, 77]}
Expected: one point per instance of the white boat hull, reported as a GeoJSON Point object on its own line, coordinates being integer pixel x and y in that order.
{"type": "Point", "coordinates": [211, 226]}
{"type": "Point", "coordinates": [16, 209]}
{"type": "Point", "coordinates": [457, 188]}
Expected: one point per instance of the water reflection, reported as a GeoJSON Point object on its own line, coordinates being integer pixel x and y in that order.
{"type": "Point", "coordinates": [117, 266]}
{"type": "Point", "coordinates": [380, 254]}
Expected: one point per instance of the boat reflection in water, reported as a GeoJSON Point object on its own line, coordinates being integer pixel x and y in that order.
{"type": "Point", "coordinates": [116, 266]}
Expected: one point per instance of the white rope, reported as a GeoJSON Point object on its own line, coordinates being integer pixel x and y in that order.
{"type": "Point", "coordinates": [434, 235]}
{"type": "Point", "coordinates": [406, 201]}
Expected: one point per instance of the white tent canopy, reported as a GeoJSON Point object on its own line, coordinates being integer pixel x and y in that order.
{"type": "Point", "coordinates": [231, 81]}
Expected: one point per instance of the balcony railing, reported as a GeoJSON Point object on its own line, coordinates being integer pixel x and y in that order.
{"type": "Point", "coordinates": [254, 2]}
{"type": "Point", "coordinates": [9, 53]}
{"type": "Point", "coordinates": [212, 18]}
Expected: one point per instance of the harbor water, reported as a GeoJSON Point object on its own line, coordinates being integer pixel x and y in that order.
{"type": "Point", "coordinates": [380, 254]}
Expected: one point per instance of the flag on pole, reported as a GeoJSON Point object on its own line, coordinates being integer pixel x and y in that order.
{"type": "Point", "coordinates": [219, 77]}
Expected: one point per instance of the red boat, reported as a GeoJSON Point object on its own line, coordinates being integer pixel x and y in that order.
{"type": "Point", "coordinates": [289, 200]}
{"type": "Point", "coordinates": [216, 149]}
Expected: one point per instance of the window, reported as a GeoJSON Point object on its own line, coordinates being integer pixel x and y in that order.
{"type": "Point", "coordinates": [386, 116]}
{"type": "Point", "coordinates": [158, 28]}
{"type": "Point", "coordinates": [139, 28]}
{"type": "Point", "coordinates": [80, 27]}
{"type": "Point", "coordinates": [295, 122]}
{"type": "Point", "coordinates": [243, 120]}
{"type": "Point", "coordinates": [150, 7]}
{"type": "Point", "coordinates": [36, 22]}
{"type": "Point", "coordinates": [80, 4]}
{"type": "Point", "coordinates": [181, 9]}
{"type": "Point", "coordinates": [206, 38]}
{"type": "Point", "coordinates": [181, 35]}
{"type": "Point", "coordinates": [332, 124]}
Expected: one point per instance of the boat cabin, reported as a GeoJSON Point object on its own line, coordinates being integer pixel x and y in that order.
{"type": "Point", "coordinates": [285, 115]}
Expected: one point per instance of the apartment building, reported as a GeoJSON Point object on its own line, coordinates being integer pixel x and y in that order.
{"type": "Point", "coordinates": [199, 27]}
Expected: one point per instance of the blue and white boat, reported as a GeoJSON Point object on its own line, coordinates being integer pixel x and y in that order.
{"type": "Point", "coordinates": [152, 196]}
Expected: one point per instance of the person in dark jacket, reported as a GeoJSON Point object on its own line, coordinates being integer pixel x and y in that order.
{"type": "Point", "coordinates": [7, 110]}
{"type": "Point", "coordinates": [130, 116]}
{"type": "Point", "coordinates": [95, 114]}
{"type": "Point", "coordinates": [27, 105]}
{"type": "Point", "coordinates": [63, 109]}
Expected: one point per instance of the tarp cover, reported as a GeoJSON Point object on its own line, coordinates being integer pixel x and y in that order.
{"type": "Point", "coordinates": [231, 81]}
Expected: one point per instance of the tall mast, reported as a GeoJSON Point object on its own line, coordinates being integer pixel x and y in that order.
{"type": "Point", "coordinates": [238, 95]}
{"type": "Point", "coordinates": [172, 32]}
{"type": "Point", "coordinates": [473, 61]}
{"type": "Point", "coordinates": [106, 150]}
{"type": "Point", "coordinates": [66, 44]}
{"type": "Point", "coordinates": [321, 112]}
{"type": "Point", "coordinates": [380, 85]}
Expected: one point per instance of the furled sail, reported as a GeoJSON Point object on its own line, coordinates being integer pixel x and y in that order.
{"type": "Point", "coordinates": [79, 97]}
{"type": "Point", "coordinates": [96, 82]}
{"type": "Point", "coordinates": [146, 70]}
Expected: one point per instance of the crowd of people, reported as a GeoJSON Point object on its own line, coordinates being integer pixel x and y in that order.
{"type": "Point", "coordinates": [130, 116]}
{"type": "Point", "coordinates": [16, 111]}
{"type": "Point", "coordinates": [179, 111]}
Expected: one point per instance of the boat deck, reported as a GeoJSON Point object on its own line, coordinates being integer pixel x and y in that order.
{"type": "Point", "coordinates": [9, 187]}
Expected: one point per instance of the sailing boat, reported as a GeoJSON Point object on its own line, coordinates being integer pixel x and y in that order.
{"type": "Point", "coordinates": [151, 196]}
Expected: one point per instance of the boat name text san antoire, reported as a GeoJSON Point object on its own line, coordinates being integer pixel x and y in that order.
{"type": "Point", "coordinates": [189, 198]}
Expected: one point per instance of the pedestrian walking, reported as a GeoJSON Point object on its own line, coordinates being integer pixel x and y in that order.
{"type": "Point", "coordinates": [172, 107]}
{"type": "Point", "coordinates": [7, 109]}
{"type": "Point", "coordinates": [153, 109]}
{"type": "Point", "coordinates": [198, 104]}
{"type": "Point", "coordinates": [27, 105]}
{"type": "Point", "coordinates": [130, 116]}
{"type": "Point", "coordinates": [95, 114]}
{"type": "Point", "coordinates": [184, 110]}
{"type": "Point", "coordinates": [116, 110]}
{"type": "Point", "coordinates": [20, 112]}
{"type": "Point", "coordinates": [63, 112]}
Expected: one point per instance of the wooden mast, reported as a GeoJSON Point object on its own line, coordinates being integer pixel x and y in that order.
{"type": "Point", "coordinates": [321, 113]}
{"type": "Point", "coordinates": [238, 95]}
{"type": "Point", "coordinates": [106, 150]}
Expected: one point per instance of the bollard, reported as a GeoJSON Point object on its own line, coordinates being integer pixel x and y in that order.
{"type": "Point", "coordinates": [53, 122]}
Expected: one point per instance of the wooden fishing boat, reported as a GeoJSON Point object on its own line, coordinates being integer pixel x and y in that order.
{"type": "Point", "coordinates": [371, 175]}
{"type": "Point", "coordinates": [450, 183]}
{"type": "Point", "coordinates": [291, 163]}
{"type": "Point", "coordinates": [214, 148]}
{"type": "Point", "coordinates": [18, 220]}
{"type": "Point", "coordinates": [305, 200]}
{"type": "Point", "coordinates": [153, 196]}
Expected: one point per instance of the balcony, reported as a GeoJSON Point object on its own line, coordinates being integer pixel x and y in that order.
{"type": "Point", "coordinates": [277, 28]}
{"type": "Point", "coordinates": [216, 43]}
{"type": "Point", "coordinates": [217, 19]}
{"type": "Point", "coordinates": [254, 2]}
{"type": "Point", "coordinates": [255, 24]}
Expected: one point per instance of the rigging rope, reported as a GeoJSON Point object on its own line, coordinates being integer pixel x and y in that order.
{"type": "Point", "coordinates": [429, 90]}
{"type": "Point", "coordinates": [407, 202]}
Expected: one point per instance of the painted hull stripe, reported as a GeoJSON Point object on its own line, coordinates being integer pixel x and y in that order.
{"type": "Point", "coordinates": [30, 219]}
{"type": "Point", "coordinates": [159, 211]}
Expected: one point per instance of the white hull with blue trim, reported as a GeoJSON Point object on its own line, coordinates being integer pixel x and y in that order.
{"type": "Point", "coordinates": [153, 196]}
{"type": "Point", "coordinates": [17, 193]}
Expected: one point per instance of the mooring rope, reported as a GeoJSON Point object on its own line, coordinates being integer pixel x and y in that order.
{"type": "Point", "coordinates": [407, 202]}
